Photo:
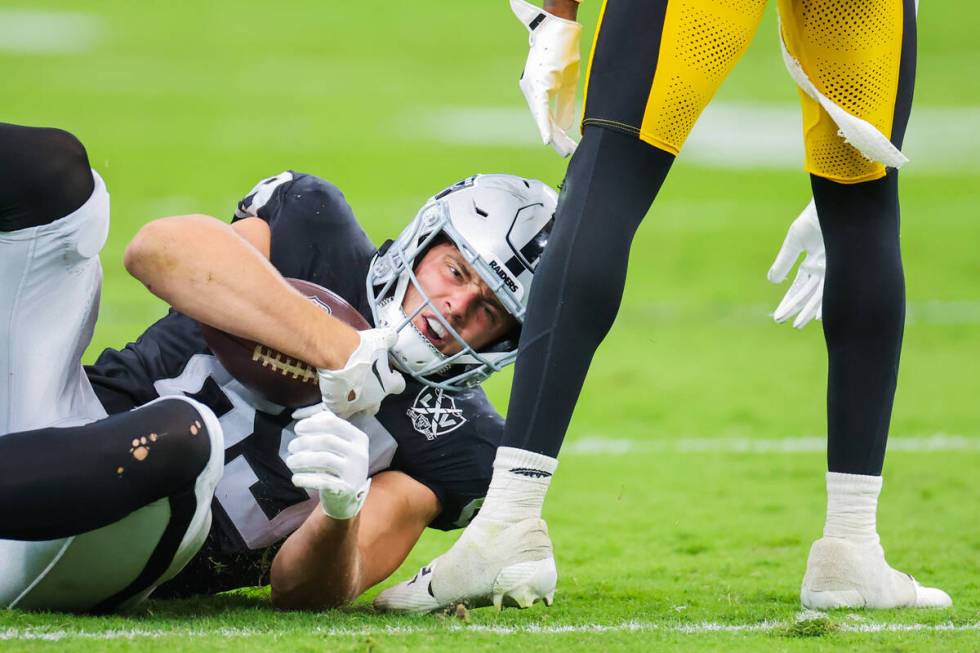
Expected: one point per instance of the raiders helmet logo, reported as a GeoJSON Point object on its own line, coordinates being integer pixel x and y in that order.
{"type": "Point", "coordinates": [434, 413]}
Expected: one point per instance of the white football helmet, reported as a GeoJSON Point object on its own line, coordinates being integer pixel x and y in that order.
{"type": "Point", "coordinates": [500, 224]}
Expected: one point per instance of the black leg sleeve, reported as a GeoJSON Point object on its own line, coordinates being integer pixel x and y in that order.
{"type": "Point", "coordinates": [44, 175]}
{"type": "Point", "coordinates": [612, 180]}
{"type": "Point", "coordinates": [57, 482]}
{"type": "Point", "coordinates": [863, 317]}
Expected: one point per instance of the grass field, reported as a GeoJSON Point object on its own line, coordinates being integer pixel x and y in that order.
{"type": "Point", "coordinates": [691, 484]}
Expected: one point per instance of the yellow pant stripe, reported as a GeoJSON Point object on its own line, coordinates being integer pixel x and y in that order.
{"type": "Point", "coordinates": [595, 39]}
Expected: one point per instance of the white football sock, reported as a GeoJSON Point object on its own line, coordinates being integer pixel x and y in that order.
{"type": "Point", "coordinates": [520, 481]}
{"type": "Point", "coordinates": [852, 506]}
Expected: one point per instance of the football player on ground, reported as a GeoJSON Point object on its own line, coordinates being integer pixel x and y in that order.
{"type": "Point", "coordinates": [116, 477]}
{"type": "Point", "coordinates": [655, 65]}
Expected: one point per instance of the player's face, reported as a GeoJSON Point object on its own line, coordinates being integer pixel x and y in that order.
{"type": "Point", "coordinates": [460, 294]}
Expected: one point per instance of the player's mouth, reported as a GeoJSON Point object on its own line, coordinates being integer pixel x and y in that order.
{"type": "Point", "coordinates": [433, 330]}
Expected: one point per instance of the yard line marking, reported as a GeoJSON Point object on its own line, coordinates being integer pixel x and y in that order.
{"type": "Point", "coordinates": [737, 135]}
{"type": "Point", "coordinates": [597, 445]}
{"type": "Point", "coordinates": [15, 634]}
{"type": "Point", "coordinates": [37, 31]}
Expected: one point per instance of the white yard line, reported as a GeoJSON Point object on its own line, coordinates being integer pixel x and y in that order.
{"type": "Point", "coordinates": [43, 32]}
{"type": "Point", "coordinates": [597, 445]}
{"type": "Point", "coordinates": [21, 634]}
{"type": "Point", "coordinates": [728, 134]}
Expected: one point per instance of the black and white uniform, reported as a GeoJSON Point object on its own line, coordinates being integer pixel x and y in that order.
{"type": "Point", "coordinates": [445, 441]}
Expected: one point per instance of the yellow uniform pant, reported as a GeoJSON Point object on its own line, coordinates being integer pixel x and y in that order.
{"type": "Point", "coordinates": [656, 64]}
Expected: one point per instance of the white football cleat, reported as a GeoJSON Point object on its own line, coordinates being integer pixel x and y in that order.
{"type": "Point", "coordinates": [493, 563]}
{"type": "Point", "coordinates": [842, 574]}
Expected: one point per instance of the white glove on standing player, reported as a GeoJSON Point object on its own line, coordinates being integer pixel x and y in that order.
{"type": "Point", "coordinates": [805, 296]}
{"type": "Point", "coordinates": [551, 72]}
{"type": "Point", "coordinates": [366, 379]}
{"type": "Point", "coordinates": [331, 456]}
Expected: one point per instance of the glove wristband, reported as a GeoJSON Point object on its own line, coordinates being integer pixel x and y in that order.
{"type": "Point", "coordinates": [347, 509]}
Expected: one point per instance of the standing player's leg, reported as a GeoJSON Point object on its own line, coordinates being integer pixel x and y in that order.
{"type": "Point", "coordinates": [861, 56]}
{"type": "Point", "coordinates": [655, 66]}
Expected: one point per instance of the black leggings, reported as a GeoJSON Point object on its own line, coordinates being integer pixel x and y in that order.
{"type": "Point", "coordinates": [863, 317]}
{"type": "Point", "coordinates": [58, 482]}
{"type": "Point", "coordinates": [611, 183]}
{"type": "Point", "coordinates": [44, 175]}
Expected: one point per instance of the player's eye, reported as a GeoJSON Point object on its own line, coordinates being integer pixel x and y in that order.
{"type": "Point", "coordinates": [491, 313]}
{"type": "Point", "coordinates": [455, 271]}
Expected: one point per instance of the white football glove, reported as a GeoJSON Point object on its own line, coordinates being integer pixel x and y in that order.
{"type": "Point", "coordinates": [551, 72]}
{"type": "Point", "coordinates": [365, 380]}
{"type": "Point", "coordinates": [331, 456]}
{"type": "Point", "coordinates": [805, 295]}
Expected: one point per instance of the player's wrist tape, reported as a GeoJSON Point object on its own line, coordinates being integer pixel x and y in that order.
{"type": "Point", "coordinates": [519, 484]}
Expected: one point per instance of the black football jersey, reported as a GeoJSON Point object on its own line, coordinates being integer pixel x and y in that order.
{"type": "Point", "coordinates": [445, 441]}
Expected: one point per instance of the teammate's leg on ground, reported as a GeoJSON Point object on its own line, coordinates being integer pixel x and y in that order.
{"type": "Point", "coordinates": [99, 515]}
{"type": "Point", "coordinates": [58, 482]}
{"type": "Point", "coordinates": [105, 510]}
{"type": "Point", "coordinates": [44, 175]}
{"type": "Point", "coordinates": [54, 217]}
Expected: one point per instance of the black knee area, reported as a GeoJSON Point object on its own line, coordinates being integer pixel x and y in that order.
{"type": "Point", "coordinates": [57, 482]}
{"type": "Point", "coordinates": [864, 295]}
{"type": "Point", "coordinates": [44, 175]}
{"type": "Point", "coordinates": [610, 184]}
{"type": "Point", "coordinates": [863, 316]}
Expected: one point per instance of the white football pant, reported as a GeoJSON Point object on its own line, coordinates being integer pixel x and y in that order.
{"type": "Point", "coordinates": [49, 297]}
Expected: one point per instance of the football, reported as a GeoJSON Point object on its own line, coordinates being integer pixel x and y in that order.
{"type": "Point", "coordinates": [269, 373]}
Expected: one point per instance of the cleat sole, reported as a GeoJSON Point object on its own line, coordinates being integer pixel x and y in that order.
{"type": "Point", "coordinates": [523, 584]}
{"type": "Point", "coordinates": [831, 599]}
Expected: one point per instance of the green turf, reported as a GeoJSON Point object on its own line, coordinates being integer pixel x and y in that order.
{"type": "Point", "coordinates": [184, 105]}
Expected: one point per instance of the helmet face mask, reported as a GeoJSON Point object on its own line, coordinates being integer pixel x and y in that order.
{"type": "Point", "coordinates": [499, 224]}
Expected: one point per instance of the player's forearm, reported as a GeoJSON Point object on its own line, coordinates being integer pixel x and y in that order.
{"type": "Point", "coordinates": [202, 268]}
{"type": "Point", "coordinates": [319, 566]}
{"type": "Point", "coordinates": [562, 8]}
